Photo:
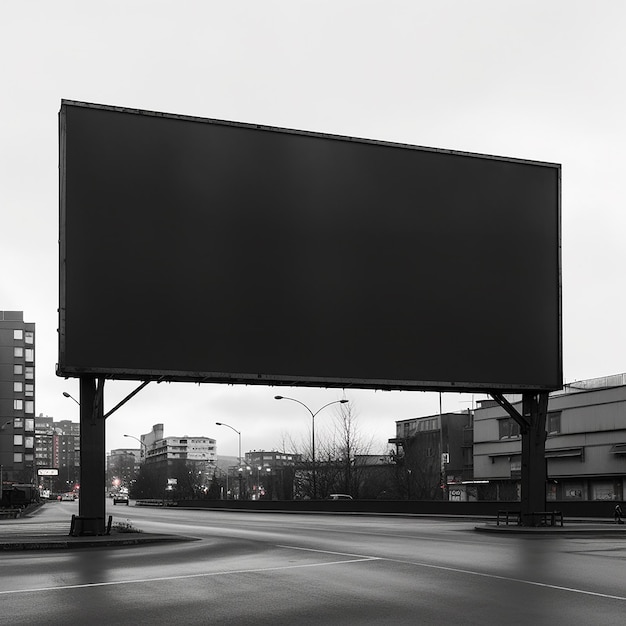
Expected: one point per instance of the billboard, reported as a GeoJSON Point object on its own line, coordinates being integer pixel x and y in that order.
{"type": "Point", "coordinates": [195, 249]}
{"type": "Point", "coordinates": [48, 471]}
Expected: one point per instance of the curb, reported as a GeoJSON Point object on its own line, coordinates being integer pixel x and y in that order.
{"type": "Point", "coordinates": [58, 543]}
{"type": "Point", "coordinates": [603, 530]}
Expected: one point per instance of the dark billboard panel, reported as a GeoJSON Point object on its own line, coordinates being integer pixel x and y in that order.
{"type": "Point", "coordinates": [204, 250]}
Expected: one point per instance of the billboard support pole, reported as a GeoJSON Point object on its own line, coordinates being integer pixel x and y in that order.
{"type": "Point", "coordinates": [91, 505]}
{"type": "Point", "coordinates": [533, 500]}
{"type": "Point", "coordinates": [532, 422]}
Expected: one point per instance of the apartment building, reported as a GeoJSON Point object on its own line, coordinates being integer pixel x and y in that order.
{"type": "Point", "coordinates": [17, 398]}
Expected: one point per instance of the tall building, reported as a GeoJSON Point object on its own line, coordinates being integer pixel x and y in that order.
{"type": "Point", "coordinates": [57, 446]}
{"type": "Point", "coordinates": [122, 468]}
{"type": "Point", "coordinates": [17, 398]}
{"type": "Point", "coordinates": [183, 465]}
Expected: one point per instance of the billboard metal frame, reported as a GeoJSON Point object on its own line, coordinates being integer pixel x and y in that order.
{"type": "Point", "coordinates": [68, 369]}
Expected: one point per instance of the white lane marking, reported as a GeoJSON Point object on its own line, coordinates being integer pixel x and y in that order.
{"type": "Point", "coordinates": [356, 559]}
{"type": "Point", "coordinates": [507, 578]}
{"type": "Point", "coordinates": [469, 572]}
{"type": "Point", "coordinates": [188, 576]}
{"type": "Point", "coordinates": [365, 557]}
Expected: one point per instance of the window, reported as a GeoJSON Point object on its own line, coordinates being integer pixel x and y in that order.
{"type": "Point", "coordinates": [18, 422]}
{"type": "Point", "coordinates": [18, 387]}
{"type": "Point", "coordinates": [29, 336]}
{"type": "Point", "coordinates": [29, 355]}
{"type": "Point", "coordinates": [429, 424]}
{"type": "Point", "coordinates": [18, 440]}
{"type": "Point", "coordinates": [553, 423]}
{"type": "Point", "coordinates": [29, 406]}
{"type": "Point", "coordinates": [29, 424]}
{"type": "Point", "coordinates": [17, 457]}
{"type": "Point", "coordinates": [29, 372]}
{"type": "Point", "coordinates": [508, 428]}
{"type": "Point", "coordinates": [18, 405]}
{"type": "Point", "coordinates": [29, 390]}
{"type": "Point", "coordinates": [29, 442]}
{"type": "Point", "coordinates": [18, 335]}
{"type": "Point", "coordinates": [18, 370]}
{"type": "Point", "coordinates": [18, 352]}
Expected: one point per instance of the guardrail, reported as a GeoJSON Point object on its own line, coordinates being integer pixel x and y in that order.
{"type": "Point", "coordinates": [155, 502]}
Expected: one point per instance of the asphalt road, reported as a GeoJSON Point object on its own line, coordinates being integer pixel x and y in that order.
{"type": "Point", "coordinates": [273, 568]}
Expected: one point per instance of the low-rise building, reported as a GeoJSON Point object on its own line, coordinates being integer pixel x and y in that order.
{"type": "Point", "coordinates": [433, 455]}
{"type": "Point", "coordinates": [585, 443]}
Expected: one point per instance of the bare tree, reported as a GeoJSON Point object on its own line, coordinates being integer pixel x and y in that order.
{"type": "Point", "coordinates": [337, 454]}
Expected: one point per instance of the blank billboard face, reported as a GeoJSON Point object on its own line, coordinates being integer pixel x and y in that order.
{"type": "Point", "coordinates": [205, 250]}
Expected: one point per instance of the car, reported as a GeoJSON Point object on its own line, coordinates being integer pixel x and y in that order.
{"type": "Point", "coordinates": [120, 498]}
{"type": "Point", "coordinates": [67, 497]}
{"type": "Point", "coordinates": [339, 496]}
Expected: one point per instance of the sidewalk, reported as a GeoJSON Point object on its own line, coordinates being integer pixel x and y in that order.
{"type": "Point", "coordinates": [576, 526]}
{"type": "Point", "coordinates": [27, 533]}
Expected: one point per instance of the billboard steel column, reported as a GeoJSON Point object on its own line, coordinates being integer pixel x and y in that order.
{"type": "Point", "coordinates": [533, 500]}
{"type": "Point", "coordinates": [91, 506]}
{"type": "Point", "coordinates": [532, 423]}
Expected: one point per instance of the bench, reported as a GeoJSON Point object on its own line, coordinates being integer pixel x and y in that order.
{"type": "Point", "coordinates": [513, 516]}
{"type": "Point", "coordinates": [548, 516]}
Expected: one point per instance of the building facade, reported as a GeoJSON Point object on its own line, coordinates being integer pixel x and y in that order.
{"type": "Point", "coordinates": [57, 446]}
{"type": "Point", "coordinates": [585, 443]}
{"type": "Point", "coordinates": [17, 398]}
{"type": "Point", "coordinates": [434, 456]}
{"type": "Point", "coordinates": [122, 469]}
{"type": "Point", "coordinates": [175, 466]}
{"type": "Point", "coordinates": [269, 475]}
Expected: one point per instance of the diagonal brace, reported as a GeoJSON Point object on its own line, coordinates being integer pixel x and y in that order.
{"type": "Point", "coordinates": [522, 420]}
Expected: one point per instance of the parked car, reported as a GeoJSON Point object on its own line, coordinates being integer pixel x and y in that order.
{"type": "Point", "coordinates": [120, 498]}
{"type": "Point", "coordinates": [339, 496]}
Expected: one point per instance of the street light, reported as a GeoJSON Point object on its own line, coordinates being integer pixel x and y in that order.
{"type": "Point", "coordinates": [67, 395]}
{"type": "Point", "coordinates": [145, 447]}
{"type": "Point", "coordinates": [239, 435]}
{"type": "Point", "coordinates": [312, 432]}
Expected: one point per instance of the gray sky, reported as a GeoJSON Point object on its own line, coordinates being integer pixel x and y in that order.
{"type": "Point", "coordinates": [541, 80]}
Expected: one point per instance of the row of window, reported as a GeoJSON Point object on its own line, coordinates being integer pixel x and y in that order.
{"type": "Point", "coordinates": [18, 457]}
{"type": "Point", "coordinates": [28, 389]}
{"type": "Point", "coordinates": [28, 406]}
{"type": "Point", "coordinates": [422, 425]}
{"type": "Point", "coordinates": [27, 353]}
{"type": "Point", "coordinates": [28, 424]}
{"type": "Point", "coordinates": [28, 371]}
{"type": "Point", "coordinates": [27, 441]}
{"type": "Point", "coordinates": [27, 336]}
{"type": "Point", "coordinates": [509, 428]}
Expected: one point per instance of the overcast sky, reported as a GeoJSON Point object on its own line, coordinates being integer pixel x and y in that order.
{"type": "Point", "coordinates": [541, 80]}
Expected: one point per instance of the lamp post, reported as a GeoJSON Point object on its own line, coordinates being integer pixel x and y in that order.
{"type": "Point", "coordinates": [312, 433]}
{"type": "Point", "coordinates": [240, 470]}
{"type": "Point", "coordinates": [145, 447]}
{"type": "Point", "coordinates": [67, 395]}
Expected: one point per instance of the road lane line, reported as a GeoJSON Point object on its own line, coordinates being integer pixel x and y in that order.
{"type": "Point", "coordinates": [358, 556]}
{"type": "Point", "coordinates": [508, 579]}
{"type": "Point", "coordinates": [186, 576]}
